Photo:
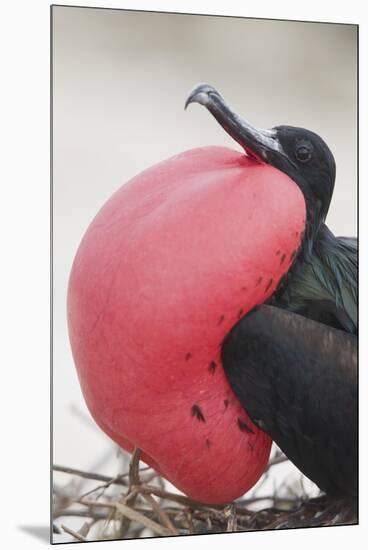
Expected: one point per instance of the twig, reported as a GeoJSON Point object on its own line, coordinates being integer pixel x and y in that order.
{"type": "Point", "coordinates": [146, 506]}
{"type": "Point", "coordinates": [117, 480]}
{"type": "Point", "coordinates": [160, 513]}
{"type": "Point", "coordinates": [73, 533]}
{"type": "Point", "coordinates": [90, 475]}
{"type": "Point", "coordinates": [131, 514]}
{"type": "Point", "coordinates": [230, 513]}
{"type": "Point", "coordinates": [80, 513]}
{"type": "Point", "coordinates": [134, 468]}
{"type": "Point", "coordinates": [189, 518]}
{"type": "Point", "coordinates": [84, 530]}
{"type": "Point", "coordinates": [131, 496]}
{"type": "Point", "coordinates": [180, 499]}
{"type": "Point", "coordinates": [140, 518]}
{"type": "Point", "coordinates": [102, 487]}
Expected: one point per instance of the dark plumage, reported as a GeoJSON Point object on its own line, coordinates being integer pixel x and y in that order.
{"type": "Point", "coordinates": [324, 285]}
{"type": "Point", "coordinates": [297, 380]}
{"type": "Point", "coordinates": [293, 363]}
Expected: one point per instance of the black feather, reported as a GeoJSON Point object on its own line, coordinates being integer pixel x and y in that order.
{"type": "Point", "coordinates": [298, 380]}
{"type": "Point", "coordinates": [324, 285]}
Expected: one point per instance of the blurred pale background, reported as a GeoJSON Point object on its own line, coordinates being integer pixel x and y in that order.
{"type": "Point", "coordinates": [120, 80]}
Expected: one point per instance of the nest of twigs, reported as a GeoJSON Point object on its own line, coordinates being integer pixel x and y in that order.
{"type": "Point", "coordinates": [136, 504]}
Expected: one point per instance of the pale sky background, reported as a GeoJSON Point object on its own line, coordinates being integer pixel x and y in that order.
{"type": "Point", "coordinates": [120, 82]}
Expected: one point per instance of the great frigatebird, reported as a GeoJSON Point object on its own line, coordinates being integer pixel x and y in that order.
{"type": "Point", "coordinates": [293, 362]}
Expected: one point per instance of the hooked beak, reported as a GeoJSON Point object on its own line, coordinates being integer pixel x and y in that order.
{"type": "Point", "coordinates": [262, 145]}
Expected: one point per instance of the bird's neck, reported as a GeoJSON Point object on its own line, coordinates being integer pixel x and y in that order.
{"type": "Point", "coordinates": [313, 236]}
{"type": "Point", "coordinates": [315, 240]}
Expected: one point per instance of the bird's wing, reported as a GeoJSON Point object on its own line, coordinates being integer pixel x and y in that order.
{"type": "Point", "coordinates": [297, 379]}
{"type": "Point", "coordinates": [324, 287]}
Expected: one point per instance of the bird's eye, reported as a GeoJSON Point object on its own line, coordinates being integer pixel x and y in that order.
{"type": "Point", "coordinates": [303, 153]}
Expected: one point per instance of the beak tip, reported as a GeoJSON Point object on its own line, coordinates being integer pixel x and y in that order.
{"type": "Point", "coordinates": [199, 94]}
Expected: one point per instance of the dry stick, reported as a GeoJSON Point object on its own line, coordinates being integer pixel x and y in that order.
{"type": "Point", "coordinates": [131, 514]}
{"type": "Point", "coordinates": [160, 512]}
{"type": "Point", "coordinates": [143, 489]}
{"type": "Point", "coordinates": [73, 533]}
{"type": "Point", "coordinates": [118, 480]}
{"type": "Point", "coordinates": [131, 496]}
{"type": "Point", "coordinates": [149, 489]}
{"type": "Point", "coordinates": [134, 468]}
{"type": "Point", "coordinates": [140, 518]}
{"type": "Point", "coordinates": [208, 521]}
{"type": "Point", "coordinates": [230, 512]}
{"type": "Point", "coordinates": [97, 516]}
{"type": "Point", "coordinates": [104, 486]}
{"type": "Point", "coordinates": [189, 517]}
{"type": "Point", "coordinates": [180, 499]}
{"type": "Point", "coordinates": [84, 530]}
{"type": "Point", "coordinates": [90, 475]}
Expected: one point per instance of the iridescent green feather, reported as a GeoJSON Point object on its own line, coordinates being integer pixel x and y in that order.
{"type": "Point", "coordinates": [326, 282]}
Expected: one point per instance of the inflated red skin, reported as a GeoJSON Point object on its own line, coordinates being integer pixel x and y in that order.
{"type": "Point", "coordinates": [166, 268]}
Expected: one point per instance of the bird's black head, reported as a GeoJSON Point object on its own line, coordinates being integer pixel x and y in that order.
{"type": "Point", "coordinates": [298, 152]}
{"type": "Point", "coordinates": [306, 158]}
